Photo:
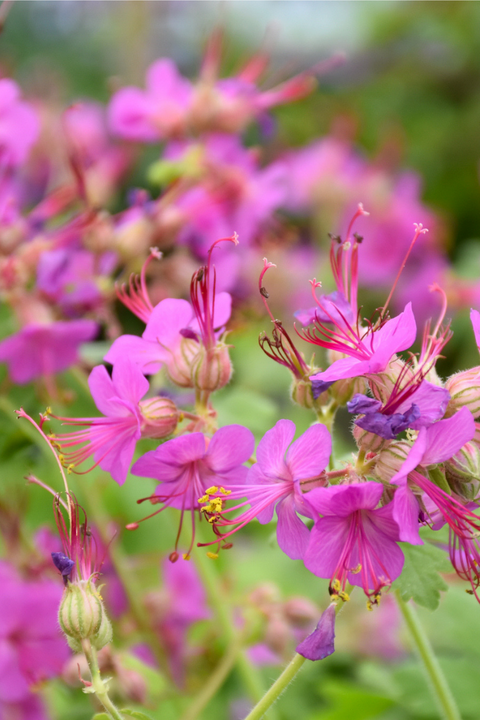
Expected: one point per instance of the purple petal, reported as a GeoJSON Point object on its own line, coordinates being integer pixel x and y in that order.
{"type": "Point", "coordinates": [149, 356]}
{"type": "Point", "coordinates": [292, 534]}
{"type": "Point", "coordinates": [397, 334]}
{"type": "Point", "coordinates": [13, 685]}
{"type": "Point", "coordinates": [306, 317]}
{"type": "Point", "coordinates": [326, 544]}
{"type": "Point", "coordinates": [432, 402]}
{"type": "Point", "coordinates": [362, 404]}
{"type": "Point", "coordinates": [230, 446]}
{"type": "Point", "coordinates": [320, 643]}
{"type": "Point", "coordinates": [117, 451]}
{"type": "Point", "coordinates": [446, 437]}
{"type": "Point", "coordinates": [168, 461]}
{"type": "Point", "coordinates": [309, 455]}
{"type": "Point", "coordinates": [272, 447]}
{"type": "Point", "coordinates": [388, 426]}
{"type": "Point", "coordinates": [405, 514]}
{"type": "Point", "coordinates": [413, 459]}
{"type": "Point", "coordinates": [319, 386]}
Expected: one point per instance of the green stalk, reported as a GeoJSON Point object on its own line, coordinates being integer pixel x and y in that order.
{"type": "Point", "coordinates": [438, 682]}
{"type": "Point", "coordinates": [98, 685]}
{"type": "Point", "coordinates": [286, 677]}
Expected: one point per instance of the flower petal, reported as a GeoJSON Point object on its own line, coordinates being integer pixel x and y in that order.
{"type": "Point", "coordinates": [149, 356]}
{"type": "Point", "coordinates": [405, 514]}
{"type": "Point", "coordinates": [342, 500]}
{"type": "Point", "coordinates": [320, 643]}
{"type": "Point", "coordinates": [327, 540]}
{"type": "Point", "coordinates": [167, 319]}
{"type": "Point", "coordinates": [309, 455]}
{"type": "Point", "coordinates": [129, 381]}
{"type": "Point", "coordinates": [230, 446]}
{"type": "Point", "coordinates": [446, 437]}
{"type": "Point", "coordinates": [272, 447]}
{"type": "Point", "coordinates": [292, 534]}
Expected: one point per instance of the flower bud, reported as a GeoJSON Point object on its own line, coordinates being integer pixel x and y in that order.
{"type": "Point", "coordinates": [179, 366]}
{"type": "Point", "coordinates": [212, 369]}
{"type": "Point", "coordinates": [277, 634]}
{"type": "Point", "coordinates": [368, 441]}
{"type": "Point", "coordinates": [160, 417]}
{"type": "Point", "coordinates": [391, 459]}
{"type": "Point", "coordinates": [343, 390]}
{"type": "Point", "coordinates": [463, 471]}
{"type": "Point", "coordinates": [300, 611]}
{"type": "Point", "coordinates": [301, 394]}
{"type": "Point", "coordinates": [83, 617]}
{"type": "Point", "coordinates": [382, 384]}
{"type": "Point", "coordinates": [464, 388]}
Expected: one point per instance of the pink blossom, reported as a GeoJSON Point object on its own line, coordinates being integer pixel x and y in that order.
{"type": "Point", "coordinates": [19, 125]}
{"type": "Point", "coordinates": [353, 540]}
{"type": "Point", "coordinates": [42, 350]}
{"type": "Point", "coordinates": [273, 483]}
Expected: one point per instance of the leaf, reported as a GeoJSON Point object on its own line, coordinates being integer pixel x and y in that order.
{"type": "Point", "coordinates": [348, 700]}
{"type": "Point", "coordinates": [134, 714]}
{"type": "Point", "coordinates": [101, 716]}
{"type": "Point", "coordinates": [420, 579]}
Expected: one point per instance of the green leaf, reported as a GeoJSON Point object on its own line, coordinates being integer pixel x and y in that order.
{"type": "Point", "coordinates": [348, 700]}
{"type": "Point", "coordinates": [134, 714]}
{"type": "Point", "coordinates": [420, 579]}
{"type": "Point", "coordinates": [101, 716]}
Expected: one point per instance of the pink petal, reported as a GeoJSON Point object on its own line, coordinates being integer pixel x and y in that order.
{"type": "Point", "coordinates": [129, 381]}
{"type": "Point", "coordinates": [385, 556]}
{"type": "Point", "coordinates": [405, 514]}
{"type": "Point", "coordinates": [446, 437]}
{"type": "Point", "coordinates": [102, 390]}
{"type": "Point", "coordinates": [475, 319]}
{"type": "Point", "coordinates": [149, 356]}
{"type": "Point", "coordinates": [118, 450]}
{"type": "Point", "coordinates": [308, 456]}
{"type": "Point", "coordinates": [342, 500]}
{"type": "Point", "coordinates": [292, 534]}
{"type": "Point", "coordinates": [169, 460]}
{"type": "Point", "coordinates": [397, 334]}
{"type": "Point", "coordinates": [414, 458]}
{"type": "Point", "coordinates": [230, 446]}
{"type": "Point", "coordinates": [128, 115]}
{"type": "Point", "coordinates": [13, 685]}
{"type": "Point", "coordinates": [327, 540]}
{"type": "Point", "coordinates": [167, 319]}
{"type": "Point", "coordinates": [272, 447]}
{"type": "Point", "coordinates": [432, 402]}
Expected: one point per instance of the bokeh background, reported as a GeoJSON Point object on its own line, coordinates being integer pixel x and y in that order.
{"type": "Point", "coordinates": [408, 93]}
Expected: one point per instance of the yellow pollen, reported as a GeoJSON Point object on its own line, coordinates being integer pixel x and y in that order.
{"type": "Point", "coordinates": [211, 490]}
{"type": "Point", "coordinates": [186, 556]}
{"type": "Point", "coordinates": [335, 585]}
{"type": "Point", "coordinates": [211, 520]}
{"type": "Point", "coordinates": [356, 570]}
{"type": "Point", "coordinates": [212, 556]}
{"type": "Point", "coordinates": [203, 499]}
{"type": "Point", "coordinates": [70, 468]}
{"type": "Point", "coordinates": [344, 596]}
{"type": "Point", "coordinates": [224, 492]}
{"type": "Point", "coordinates": [48, 410]}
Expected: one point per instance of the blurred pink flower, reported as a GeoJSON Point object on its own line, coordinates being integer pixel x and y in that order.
{"type": "Point", "coordinates": [19, 125]}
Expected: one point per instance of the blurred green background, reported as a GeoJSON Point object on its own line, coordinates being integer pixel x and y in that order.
{"type": "Point", "coordinates": [412, 82]}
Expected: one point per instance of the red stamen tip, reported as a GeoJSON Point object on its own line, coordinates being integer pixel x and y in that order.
{"type": "Point", "coordinates": [132, 526]}
{"type": "Point", "coordinates": [173, 557]}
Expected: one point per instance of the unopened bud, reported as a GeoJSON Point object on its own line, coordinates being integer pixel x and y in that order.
{"type": "Point", "coordinates": [212, 369]}
{"type": "Point", "coordinates": [179, 365]}
{"type": "Point", "coordinates": [301, 393]}
{"type": "Point", "coordinates": [343, 390]}
{"type": "Point", "coordinates": [160, 417]}
{"type": "Point", "coordinates": [368, 441]}
{"type": "Point", "coordinates": [382, 384]}
{"type": "Point", "coordinates": [391, 459]}
{"type": "Point", "coordinates": [82, 616]}
{"type": "Point", "coordinates": [277, 634]}
{"type": "Point", "coordinates": [463, 471]}
{"type": "Point", "coordinates": [464, 388]}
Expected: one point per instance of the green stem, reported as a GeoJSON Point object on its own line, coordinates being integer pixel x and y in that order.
{"type": "Point", "coordinates": [98, 685]}
{"type": "Point", "coordinates": [438, 682]}
{"type": "Point", "coordinates": [208, 573]}
{"type": "Point", "coordinates": [286, 677]}
{"type": "Point", "coordinates": [214, 682]}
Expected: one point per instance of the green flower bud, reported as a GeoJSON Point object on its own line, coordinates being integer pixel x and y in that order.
{"type": "Point", "coordinates": [211, 369]}
{"type": "Point", "coordinates": [82, 616]}
{"type": "Point", "coordinates": [391, 459]}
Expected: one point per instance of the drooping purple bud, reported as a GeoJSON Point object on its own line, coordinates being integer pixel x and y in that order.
{"type": "Point", "coordinates": [189, 334]}
{"type": "Point", "coordinates": [361, 404]}
{"type": "Point", "coordinates": [319, 386]}
{"type": "Point", "coordinates": [64, 564]}
{"type": "Point", "coordinates": [320, 643]}
{"type": "Point", "coordinates": [388, 426]}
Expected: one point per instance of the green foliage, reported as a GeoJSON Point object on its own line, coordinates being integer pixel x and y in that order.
{"type": "Point", "coordinates": [420, 579]}
{"type": "Point", "coordinates": [346, 699]}
{"type": "Point", "coordinates": [101, 716]}
{"type": "Point", "coordinates": [135, 714]}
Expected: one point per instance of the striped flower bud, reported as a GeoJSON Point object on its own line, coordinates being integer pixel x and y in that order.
{"type": "Point", "coordinates": [82, 616]}
{"type": "Point", "coordinates": [391, 459]}
{"type": "Point", "coordinates": [160, 417]}
{"type": "Point", "coordinates": [301, 394]}
{"type": "Point", "coordinates": [179, 366]}
{"type": "Point", "coordinates": [368, 441]}
{"type": "Point", "coordinates": [464, 388]}
{"type": "Point", "coordinates": [211, 368]}
{"type": "Point", "coordinates": [343, 390]}
{"type": "Point", "coordinates": [463, 471]}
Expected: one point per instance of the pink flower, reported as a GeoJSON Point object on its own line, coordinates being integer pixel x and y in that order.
{"type": "Point", "coordinates": [112, 439]}
{"type": "Point", "coordinates": [353, 540]}
{"type": "Point", "coordinates": [273, 483]}
{"type": "Point", "coordinates": [31, 645]}
{"type": "Point", "coordinates": [19, 125]}
{"type": "Point", "coordinates": [190, 465]}
{"type": "Point", "coordinates": [157, 112]}
{"type": "Point", "coordinates": [42, 350]}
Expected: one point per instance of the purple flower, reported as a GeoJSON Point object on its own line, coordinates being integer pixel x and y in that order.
{"type": "Point", "coordinates": [157, 112]}
{"type": "Point", "coordinates": [32, 648]}
{"type": "Point", "coordinates": [112, 439]}
{"type": "Point", "coordinates": [320, 643]}
{"type": "Point", "coordinates": [189, 465]}
{"type": "Point", "coordinates": [19, 125]}
{"type": "Point", "coordinates": [42, 350]}
{"type": "Point", "coordinates": [273, 483]}
{"type": "Point", "coordinates": [353, 540]}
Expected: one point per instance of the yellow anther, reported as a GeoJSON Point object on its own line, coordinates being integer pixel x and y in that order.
{"type": "Point", "coordinates": [369, 605]}
{"type": "Point", "coordinates": [211, 519]}
{"type": "Point", "coordinates": [213, 556]}
{"type": "Point", "coordinates": [186, 556]}
{"type": "Point", "coordinates": [204, 499]}
{"type": "Point", "coordinates": [70, 468]}
{"type": "Point", "coordinates": [356, 570]}
{"type": "Point", "coordinates": [335, 585]}
{"type": "Point", "coordinates": [211, 490]}
{"type": "Point", "coordinates": [223, 491]}
{"type": "Point", "coordinates": [61, 458]}
{"type": "Point", "coordinates": [333, 598]}
{"type": "Point", "coordinates": [48, 410]}
{"type": "Point", "coordinates": [344, 596]}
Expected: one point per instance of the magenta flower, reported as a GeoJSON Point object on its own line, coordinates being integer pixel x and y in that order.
{"type": "Point", "coordinates": [19, 125]}
{"type": "Point", "coordinates": [157, 112]}
{"type": "Point", "coordinates": [353, 540]}
{"type": "Point", "coordinates": [111, 439]}
{"type": "Point", "coordinates": [32, 648]}
{"type": "Point", "coordinates": [436, 445]}
{"type": "Point", "coordinates": [190, 465]}
{"type": "Point", "coordinates": [274, 483]}
{"type": "Point", "coordinates": [42, 350]}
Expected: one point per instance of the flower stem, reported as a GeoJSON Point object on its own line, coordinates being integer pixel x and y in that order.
{"type": "Point", "coordinates": [98, 685]}
{"type": "Point", "coordinates": [286, 677]}
{"type": "Point", "coordinates": [438, 682]}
